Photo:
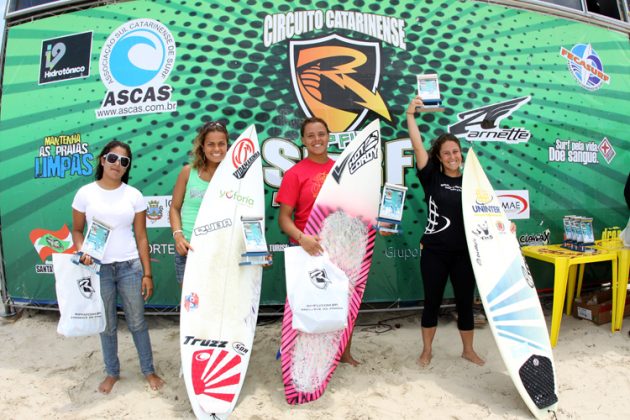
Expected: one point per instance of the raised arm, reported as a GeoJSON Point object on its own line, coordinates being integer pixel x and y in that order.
{"type": "Point", "coordinates": [422, 157]}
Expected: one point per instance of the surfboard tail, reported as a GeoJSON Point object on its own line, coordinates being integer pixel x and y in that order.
{"type": "Point", "coordinates": [537, 376]}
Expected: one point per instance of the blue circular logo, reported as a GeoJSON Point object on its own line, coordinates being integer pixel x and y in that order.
{"type": "Point", "coordinates": [137, 58]}
{"type": "Point", "coordinates": [587, 68]}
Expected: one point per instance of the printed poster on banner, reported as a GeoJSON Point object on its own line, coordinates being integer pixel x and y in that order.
{"type": "Point", "coordinates": [539, 238]}
{"type": "Point", "coordinates": [585, 66]}
{"type": "Point", "coordinates": [583, 152]}
{"type": "Point", "coordinates": [158, 210]}
{"type": "Point", "coordinates": [63, 155]}
{"type": "Point", "coordinates": [484, 123]}
{"type": "Point", "coordinates": [65, 58]}
{"type": "Point", "coordinates": [339, 92]}
{"type": "Point", "coordinates": [47, 242]}
{"type": "Point", "coordinates": [135, 63]}
{"type": "Point", "coordinates": [515, 203]}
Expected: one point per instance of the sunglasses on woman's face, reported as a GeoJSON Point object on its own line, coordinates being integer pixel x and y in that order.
{"type": "Point", "coordinates": [113, 158]}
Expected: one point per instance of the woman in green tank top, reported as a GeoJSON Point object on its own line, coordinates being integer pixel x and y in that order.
{"type": "Point", "coordinates": [209, 149]}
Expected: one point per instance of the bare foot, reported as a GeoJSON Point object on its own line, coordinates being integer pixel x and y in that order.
{"type": "Point", "coordinates": [471, 356]}
{"type": "Point", "coordinates": [106, 386]}
{"type": "Point", "coordinates": [347, 358]}
{"type": "Point", "coordinates": [425, 359]}
{"type": "Point", "coordinates": [155, 382]}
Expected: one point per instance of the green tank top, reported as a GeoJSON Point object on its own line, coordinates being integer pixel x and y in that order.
{"type": "Point", "coordinates": [195, 189]}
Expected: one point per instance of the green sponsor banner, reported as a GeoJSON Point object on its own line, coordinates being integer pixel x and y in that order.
{"type": "Point", "coordinates": [543, 100]}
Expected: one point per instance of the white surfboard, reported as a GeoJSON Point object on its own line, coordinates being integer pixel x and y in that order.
{"type": "Point", "coordinates": [219, 305]}
{"type": "Point", "coordinates": [508, 294]}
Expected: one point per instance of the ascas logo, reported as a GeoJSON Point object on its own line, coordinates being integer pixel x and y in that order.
{"type": "Point", "coordinates": [585, 66]}
{"type": "Point", "coordinates": [65, 58]}
{"type": "Point", "coordinates": [243, 156]}
{"type": "Point", "coordinates": [515, 203]}
{"type": "Point", "coordinates": [483, 124]}
{"type": "Point", "coordinates": [135, 63]}
{"type": "Point", "coordinates": [337, 79]}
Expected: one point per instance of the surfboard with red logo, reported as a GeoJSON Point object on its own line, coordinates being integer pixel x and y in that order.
{"type": "Point", "coordinates": [220, 298]}
{"type": "Point", "coordinates": [343, 216]}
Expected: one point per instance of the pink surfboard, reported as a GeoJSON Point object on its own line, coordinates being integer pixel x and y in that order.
{"type": "Point", "coordinates": [343, 217]}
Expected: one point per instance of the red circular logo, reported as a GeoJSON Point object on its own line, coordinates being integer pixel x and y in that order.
{"type": "Point", "coordinates": [242, 151]}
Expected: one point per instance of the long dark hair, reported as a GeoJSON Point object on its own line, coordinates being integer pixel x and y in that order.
{"type": "Point", "coordinates": [198, 156]}
{"type": "Point", "coordinates": [108, 147]}
{"type": "Point", "coordinates": [436, 146]}
{"type": "Point", "coordinates": [313, 120]}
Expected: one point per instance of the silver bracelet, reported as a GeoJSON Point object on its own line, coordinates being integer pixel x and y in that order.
{"type": "Point", "coordinates": [177, 231]}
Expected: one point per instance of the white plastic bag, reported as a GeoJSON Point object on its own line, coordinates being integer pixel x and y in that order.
{"type": "Point", "coordinates": [79, 297]}
{"type": "Point", "coordinates": [317, 291]}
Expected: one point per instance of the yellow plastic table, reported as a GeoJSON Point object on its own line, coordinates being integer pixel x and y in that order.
{"type": "Point", "coordinates": [563, 260]}
{"type": "Point", "coordinates": [623, 265]}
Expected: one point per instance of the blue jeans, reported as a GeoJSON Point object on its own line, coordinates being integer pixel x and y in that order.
{"type": "Point", "coordinates": [180, 266]}
{"type": "Point", "coordinates": [125, 280]}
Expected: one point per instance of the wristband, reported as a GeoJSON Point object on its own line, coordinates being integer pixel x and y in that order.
{"type": "Point", "coordinates": [147, 275]}
{"type": "Point", "coordinates": [177, 231]}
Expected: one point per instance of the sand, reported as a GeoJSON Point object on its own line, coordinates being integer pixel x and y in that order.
{"type": "Point", "coordinates": [44, 375]}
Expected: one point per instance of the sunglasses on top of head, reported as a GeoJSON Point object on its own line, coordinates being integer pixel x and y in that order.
{"type": "Point", "coordinates": [113, 158]}
{"type": "Point", "coordinates": [214, 124]}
